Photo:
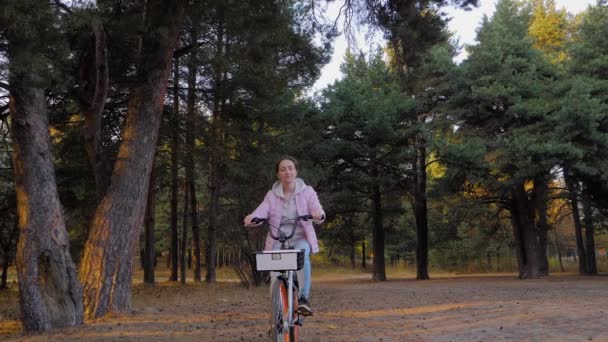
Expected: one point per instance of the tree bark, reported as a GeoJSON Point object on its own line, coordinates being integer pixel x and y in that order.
{"type": "Point", "coordinates": [149, 249]}
{"type": "Point", "coordinates": [106, 270]}
{"type": "Point", "coordinates": [589, 234]}
{"type": "Point", "coordinates": [184, 240]}
{"type": "Point", "coordinates": [379, 263]}
{"type": "Point", "coordinates": [96, 75]}
{"type": "Point", "coordinates": [353, 245]}
{"type": "Point", "coordinates": [174, 174]}
{"type": "Point", "coordinates": [50, 294]}
{"type": "Point", "coordinates": [363, 263]}
{"type": "Point", "coordinates": [214, 158]}
{"type": "Point", "coordinates": [576, 217]}
{"type": "Point", "coordinates": [420, 211]}
{"type": "Point", "coordinates": [541, 188]}
{"type": "Point", "coordinates": [196, 241]}
{"type": "Point", "coordinates": [559, 252]}
{"type": "Point", "coordinates": [5, 263]}
{"type": "Point", "coordinates": [526, 239]}
{"type": "Point", "coordinates": [8, 251]}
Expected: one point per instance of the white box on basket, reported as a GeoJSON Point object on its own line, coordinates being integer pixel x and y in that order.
{"type": "Point", "coordinates": [280, 260]}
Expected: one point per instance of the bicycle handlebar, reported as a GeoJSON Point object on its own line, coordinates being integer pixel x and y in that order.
{"type": "Point", "coordinates": [281, 235]}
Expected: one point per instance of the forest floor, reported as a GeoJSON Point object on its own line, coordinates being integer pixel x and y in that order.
{"type": "Point", "coordinates": [350, 307]}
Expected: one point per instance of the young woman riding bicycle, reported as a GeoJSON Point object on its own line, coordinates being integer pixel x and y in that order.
{"type": "Point", "coordinates": [289, 198]}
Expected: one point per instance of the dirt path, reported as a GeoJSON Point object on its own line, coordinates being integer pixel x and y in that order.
{"type": "Point", "coordinates": [497, 308]}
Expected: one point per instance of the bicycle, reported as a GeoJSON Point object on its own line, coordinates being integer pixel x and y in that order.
{"type": "Point", "coordinates": [285, 321]}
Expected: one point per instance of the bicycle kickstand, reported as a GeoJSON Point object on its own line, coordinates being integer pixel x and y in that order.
{"type": "Point", "coordinates": [299, 321]}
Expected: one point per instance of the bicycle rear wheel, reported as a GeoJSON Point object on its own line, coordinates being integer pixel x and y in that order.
{"type": "Point", "coordinates": [279, 312]}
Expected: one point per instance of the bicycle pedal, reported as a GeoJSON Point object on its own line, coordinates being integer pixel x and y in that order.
{"type": "Point", "coordinates": [305, 313]}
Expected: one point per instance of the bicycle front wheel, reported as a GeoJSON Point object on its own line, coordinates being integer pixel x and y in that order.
{"type": "Point", "coordinates": [279, 312]}
{"type": "Point", "coordinates": [294, 332]}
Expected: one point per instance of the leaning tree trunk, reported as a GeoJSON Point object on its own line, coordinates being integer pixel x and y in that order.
{"type": "Point", "coordinates": [420, 211]}
{"type": "Point", "coordinates": [149, 238]}
{"type": "Point", "coordinates": [50, 294]}
{"type": "Point", "coordinates": [96, 79]}
{"type": "Point", "coordinates": [106, 269]}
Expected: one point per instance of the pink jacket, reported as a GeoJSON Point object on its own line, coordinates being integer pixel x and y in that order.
{"type": "Point", "coordinates": [306, 202]}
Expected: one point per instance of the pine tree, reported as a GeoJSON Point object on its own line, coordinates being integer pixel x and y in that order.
{"type": "Point", "coordinates": [412, 28]}
{"type": "Point", "coordinates": [582, 121]}
{"type": "Point", "coordinates": [509, 102]}
{"type": "Point", "coordinates": [366, 139]}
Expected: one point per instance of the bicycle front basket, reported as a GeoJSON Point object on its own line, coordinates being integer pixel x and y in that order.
{"type": "Point", "coordinates": [280, 260]}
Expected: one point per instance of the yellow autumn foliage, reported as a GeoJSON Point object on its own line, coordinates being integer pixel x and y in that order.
{"type": "Point", "coordinates": [549, 29]}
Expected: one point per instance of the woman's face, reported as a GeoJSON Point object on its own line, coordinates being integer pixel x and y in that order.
{"type": "Point", "coordinates": [287, 171]}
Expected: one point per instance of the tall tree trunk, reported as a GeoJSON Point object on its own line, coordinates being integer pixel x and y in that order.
{"type": "Point", "coordinates": [149, 249]}
{"type": "Point", "coordinates": [106, 269]}
{"type": "Point", "coordinates": [526, 239]}
{"type": "Point", "coordinates": [353, 247]}
{"type": "Point", "coordinates": [174, 174]}
{"type": "Point", "coordinates": [214, 158]}
{"type": "Point", "coordinates": [420, 211]}
{"type": "Point", "coordinates": [8, 250]}
{"type": "Point", "coordinates": [571, 184]}
{"type": "Point", "coordinates": [559, 252]}
{"type": "Point", "coordinates": [541, 188]}
{"type": "Point", "coordinates": [379, 263]}
{"type": "Point", "coordinates": [5, 263]}
{"type": "Point", "coordinates": [50, 294]}
{"type": "Point", "coordinates": [363, 255]}
{"type": "Point", "coordinates": [184, 240]}
{"type": "Point", "coordinates": [211, 257]}
{"type": "Point", "coordinates": [589, 234]}
{"type": "Point", "coordinates": [196, 241]}
{"type": "Point", "coordinates": [95, 74]}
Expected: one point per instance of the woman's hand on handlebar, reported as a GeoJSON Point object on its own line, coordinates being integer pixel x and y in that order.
{"type": "Point", "coordinates": [252, 221]}
{"type": "Point", "coordinates": [317, 215]}
{"type": "Point", "coordinates": [247, 221]}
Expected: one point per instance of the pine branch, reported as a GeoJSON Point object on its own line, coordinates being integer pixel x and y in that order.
{"type": "Point", "coordinates": [63, 6]}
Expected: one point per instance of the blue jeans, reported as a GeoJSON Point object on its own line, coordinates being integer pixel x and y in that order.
{"type": "Point", "coordinates": [304, 273]}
